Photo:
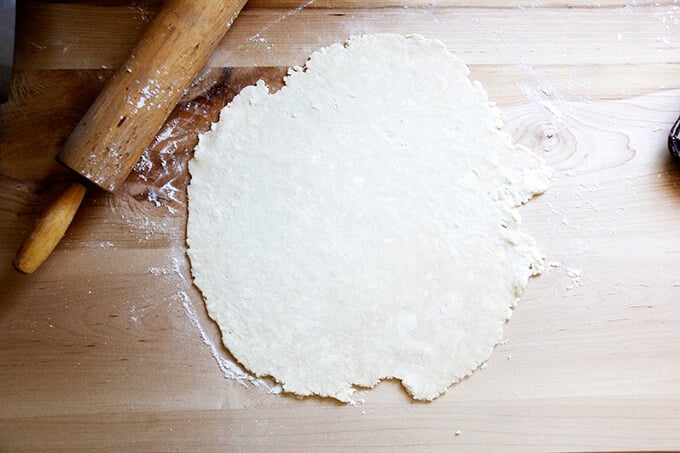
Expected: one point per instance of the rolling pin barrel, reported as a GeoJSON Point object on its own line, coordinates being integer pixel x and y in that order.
{"type": "Point", "coordinates": [131, 109]}
{"type": "Point", "coordinates": [128, 113]}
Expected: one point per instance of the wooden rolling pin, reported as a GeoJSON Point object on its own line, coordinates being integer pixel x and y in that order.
{"type": "Point", "coordinates": [130, 111]}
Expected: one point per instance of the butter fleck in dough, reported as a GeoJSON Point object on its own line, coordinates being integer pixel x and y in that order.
{"type": "Point", "coordinates": [360, 223]}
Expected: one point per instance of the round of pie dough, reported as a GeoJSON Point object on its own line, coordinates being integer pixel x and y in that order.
{"type": "Point", "coordinates": [359, 224]}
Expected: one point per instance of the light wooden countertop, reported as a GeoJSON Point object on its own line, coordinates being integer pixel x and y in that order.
{"type": "Point", "coordinates": [108, 346]}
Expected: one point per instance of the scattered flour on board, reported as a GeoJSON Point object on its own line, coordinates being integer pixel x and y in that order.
{"type": "Point", "coordinates": [97, 244]}
{"type": "Point", "coordinates": [133, 313]}
{"type": "Point", "coordinates": [229, 368]}
{"type": "Point", "coordinates": [258, 38]}
{"type": "Point", "coordinates": [170, 166]}
{"type": "Point", "coordinates": [575, 276]}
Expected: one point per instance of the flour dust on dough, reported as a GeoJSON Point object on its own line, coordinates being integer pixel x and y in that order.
{"type": "Point", "coordinates": [360, 223]}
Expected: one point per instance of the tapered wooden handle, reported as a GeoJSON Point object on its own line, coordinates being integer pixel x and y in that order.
{"type": "Point", "coordinates": [49, 229]}
{"type": "Point", "coordinates": [123, 120]}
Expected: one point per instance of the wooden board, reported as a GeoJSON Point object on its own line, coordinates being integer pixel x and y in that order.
{"type": "Point", "coordinates": [109, 347]}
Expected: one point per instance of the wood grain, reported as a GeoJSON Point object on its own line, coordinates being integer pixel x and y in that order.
{"type": "Point", "coordinates": [100, 349]}
{"type": "Point", "coordinates": [602, 56]}
{"type": "Point", "coordinates": [61, 36]}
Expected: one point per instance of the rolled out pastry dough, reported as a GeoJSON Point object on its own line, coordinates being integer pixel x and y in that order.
{"type": "Point", "coordinates": [360, 223]}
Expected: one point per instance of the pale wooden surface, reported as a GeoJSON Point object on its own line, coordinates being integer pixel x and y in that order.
{"type": "Point", "coordinates": [98, 350]}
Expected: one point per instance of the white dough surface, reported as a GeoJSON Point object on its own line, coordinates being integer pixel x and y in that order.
{"type": "Point", "coordinates": [360, 223]}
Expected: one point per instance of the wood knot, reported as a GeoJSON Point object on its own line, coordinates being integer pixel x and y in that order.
{"type": "Point", "coordinates": [547, 137]}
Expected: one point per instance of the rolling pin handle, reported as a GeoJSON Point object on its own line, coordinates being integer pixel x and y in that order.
{"type": "Point", "coordinates": [49, 229]}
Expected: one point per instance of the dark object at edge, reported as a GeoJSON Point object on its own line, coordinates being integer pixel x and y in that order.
{"type": "Point", "coordinates": [674, 140]}
{"type": "Point", "coordinates": [7, 22]}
